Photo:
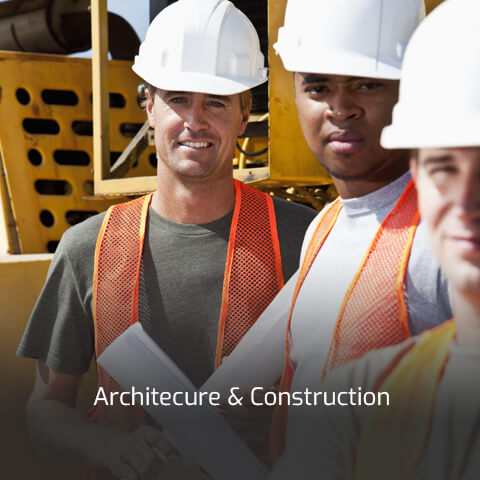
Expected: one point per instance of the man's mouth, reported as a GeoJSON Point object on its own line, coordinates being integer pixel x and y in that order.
{"type": "Point", "coordinates": [468, 243]}
{"type": "Point", "coordinates": [345, 143]}
{"type": "Point", "coordinates": [195, 144]}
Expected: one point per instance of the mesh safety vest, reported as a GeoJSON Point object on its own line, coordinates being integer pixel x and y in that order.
{"type": "Point", "coordinates": [373, 313]}
{"type": "Point", "coordinates": [253, 276]}
{"type": "Point", "coordinates": [412, 382]}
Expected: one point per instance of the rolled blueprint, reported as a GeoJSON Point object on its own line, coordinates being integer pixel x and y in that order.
{"type": "Point", "coordinates": [199, 432]}
{"type": "Point", "coordinates": [257, 361]}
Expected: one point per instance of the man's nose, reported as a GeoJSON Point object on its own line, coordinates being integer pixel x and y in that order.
{"type": "Point", "coordinates": [469, 198]}
{"type": "Point", "coordinates": [196, 117]}
{"type": "Point", "coordinates": [341, 106]}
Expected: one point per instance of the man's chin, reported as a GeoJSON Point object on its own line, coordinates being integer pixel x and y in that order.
{"type": "Point", "coordinates": [345, 175]}
{"type": "Point", "coordinates": [465, 279]}
{"type": "Point", "coordinates": [193, 170]}
{"type": "Point", "coordinates": [194, 177]}
{"type": "Point", "coordinates": [342, 167]}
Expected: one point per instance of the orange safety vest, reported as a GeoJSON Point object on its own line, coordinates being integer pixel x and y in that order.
{"type": "Point", "coordinates": [412, 381]}
{"type": "Point", "coordinates": [253, 276]}
{"type": "Point", "coordinates": [373, 313]}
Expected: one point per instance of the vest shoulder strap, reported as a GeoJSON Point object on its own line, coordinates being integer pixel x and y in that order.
{"type": "Point", "coordinates": [253, 270]}
{"type": "Point", "coordinates": [323, 228]}
{"type": "Point", "coordinates": [374, 313]}
{"type": "Point", "coordinates": [118, 256]}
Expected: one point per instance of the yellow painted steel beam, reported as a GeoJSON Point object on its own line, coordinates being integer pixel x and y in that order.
{"type": "Point", "coordinates": [291, 162]}
{"type": "Point", "coordinates": [9, 239]}
{"type": "Point", "coordinates": [101, 137]}
{"type": "Point", "coordinates": [126, 186]}
{"type": "Point", "coordinates": [4, 249]}
{"type": "Point", "coordinates": [103, 184]}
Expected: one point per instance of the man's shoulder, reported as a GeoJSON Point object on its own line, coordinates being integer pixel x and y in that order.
{"type": "Point", "coordinates": [81, 239]}
{"type": "Point", "coordinates": [285, 208]}
{"type": "Point", "coordinates": [366, 371]}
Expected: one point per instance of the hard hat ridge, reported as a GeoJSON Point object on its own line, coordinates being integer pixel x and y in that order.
{"type": "Point", "coordinates": [363, 38]}
{"type": "Point", "coordinates": [201, 46]}
{"type": "Point", "coordinates": [200, 33]}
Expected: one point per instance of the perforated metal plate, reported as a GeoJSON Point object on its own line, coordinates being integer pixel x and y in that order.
{"type": "Point", "coordinates": [46, 141]}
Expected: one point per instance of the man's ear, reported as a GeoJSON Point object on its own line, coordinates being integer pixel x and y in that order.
{"type": "Point", "coordinates": [149, 108]}
{"type": "Point", "coordinates": [244, 120]}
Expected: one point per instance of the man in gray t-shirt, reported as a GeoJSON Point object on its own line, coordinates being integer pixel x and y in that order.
{"type": "Point", "coordinates": [195, 263]}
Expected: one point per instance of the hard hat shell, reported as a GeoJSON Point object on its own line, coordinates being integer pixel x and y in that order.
{"type": "Point", "coordinates": [362, 38]}
{"type": "Point", "coordinates": [206, 46]}
{"type": "Point", "coordinates": [439, 102]}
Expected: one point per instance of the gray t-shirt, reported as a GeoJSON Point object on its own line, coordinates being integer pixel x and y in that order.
{"type": "Point", "coordinates": [180, 290]}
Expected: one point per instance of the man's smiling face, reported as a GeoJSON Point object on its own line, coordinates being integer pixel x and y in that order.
{"type": "Point", "coordinates": [195, 133]}
{"type": "Point", "coordinates": [448, 184]}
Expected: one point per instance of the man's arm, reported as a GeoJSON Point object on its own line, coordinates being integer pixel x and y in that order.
{"type": "Point", "coordinates": [55, 423]}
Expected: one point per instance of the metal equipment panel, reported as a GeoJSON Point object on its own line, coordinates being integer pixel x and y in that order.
{"type": "Point", "coordinates": [46, 142]}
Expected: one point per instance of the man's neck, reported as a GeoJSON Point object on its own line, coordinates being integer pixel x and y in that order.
{"type": "Point", "coordinates": [467, 318]}
{"type": "Point", "coordinates": [194, 203]}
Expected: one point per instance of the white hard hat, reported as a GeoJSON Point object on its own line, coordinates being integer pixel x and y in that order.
{"type": "Point", "coordinates": [439, 103]}
{"type": "Point", "coordinates": [362, 38]}
{"type": "Point", "coordinates": [206, 46]}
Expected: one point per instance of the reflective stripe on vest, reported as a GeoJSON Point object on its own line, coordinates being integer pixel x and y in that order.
{"type": "Point", "coordinates": [373, 313]}
{"type": "Point", "coordinates": [412, 383]}
{"type": "Point", "coordinates": [253, 276]}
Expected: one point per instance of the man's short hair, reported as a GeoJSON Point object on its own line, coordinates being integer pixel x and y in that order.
{"type": "Point", "coordinates": [246, 98]}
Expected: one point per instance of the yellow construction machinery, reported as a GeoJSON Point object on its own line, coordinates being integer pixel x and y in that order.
{"type": "Point", "coordinates": [73, 141]}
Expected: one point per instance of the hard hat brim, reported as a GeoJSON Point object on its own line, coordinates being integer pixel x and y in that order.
{"type": "Point", "coordinates": [337, 62]}
{"type": "Point", "coordinates": [432, 134]}
{"type": "Point", "coordinates": [199, 82]}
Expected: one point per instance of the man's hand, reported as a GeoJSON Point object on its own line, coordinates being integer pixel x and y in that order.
{"type": "Point", "coordinates": [139, 455]}
{"type": "Point", "coordinates": [60, 428]}
{"type": "Point", "coordinates": [251, 422]}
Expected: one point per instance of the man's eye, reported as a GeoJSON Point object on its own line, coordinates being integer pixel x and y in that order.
{"type": "Point", "coordinates": [316, 89]}
{"type": "Point", "coordinates": [441, 172]}
{"type": "Point", "coordinates": [178, 100]}
{"type": "Point", "coordinates": [445, 170]}
{"type": "Point", "coordinates": [367, 86]}
{"type": "Point", "coordinates": [216, 104]}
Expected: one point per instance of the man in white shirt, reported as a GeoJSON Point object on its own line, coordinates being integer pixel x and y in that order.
{"type": "Point", "coordinates": [368, 278]}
